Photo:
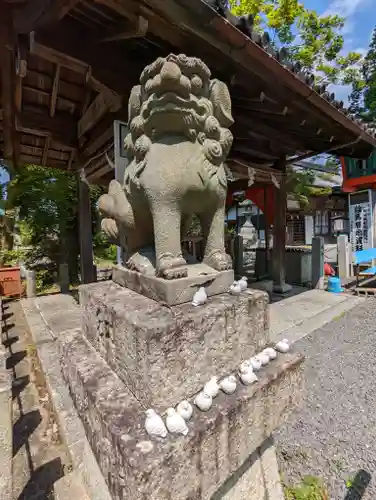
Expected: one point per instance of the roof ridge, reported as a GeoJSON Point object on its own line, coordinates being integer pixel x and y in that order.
{"type": "Point", "coordinates": [245, 24]}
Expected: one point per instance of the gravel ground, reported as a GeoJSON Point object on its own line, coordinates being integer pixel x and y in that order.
{"type": "Point", "coordinates": [333, 435]}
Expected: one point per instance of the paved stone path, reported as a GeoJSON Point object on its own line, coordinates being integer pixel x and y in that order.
{"type": "Point", "coordinates": [333, 435]}
{"type": "Point", "coordinates": [39, 458]}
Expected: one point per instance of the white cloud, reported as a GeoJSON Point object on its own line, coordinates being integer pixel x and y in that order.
{"type": "Point", "coordinates": [346, 8]}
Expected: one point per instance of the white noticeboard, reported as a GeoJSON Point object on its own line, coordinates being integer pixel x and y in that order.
{"type": "Point", "coordinates": [120, 159]}
{"type": "Point", "coordinates": [360, 219]}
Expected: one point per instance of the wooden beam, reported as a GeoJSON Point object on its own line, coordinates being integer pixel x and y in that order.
{"type": "Point", "coordinates": [86, 237]}
{"type": "Point", "coordinates": [43, 97]}
{"type": "Point", "coordinates": [54, 92]}
{"type": "Point", "coordinates": [127, 9]}
{"type": "Point", "coordinates": [137, 30]}
{"type": "Point", "coordinates": [258, 153]}
{"type": "Point", "coordinates": [71, 159]}
{"type": "Point", "coordinates": [45, 150]}
{"type": "Point", "coordinates": [279, 237]}
{"type": "Point", "coordinates": [62, 129]}
{"type": "Point", "coordinates": [78, 50]}
{"type": "Point", "coordinates": [60, 59]}
{"type": "Point", "coordinates": [54, 155]}
{"type": "Point", "coordinates": [7, 79]}
{"type": "Point", "coordinates": [35, 14]}
{"type": "Point", "coordinates": [104, 102]}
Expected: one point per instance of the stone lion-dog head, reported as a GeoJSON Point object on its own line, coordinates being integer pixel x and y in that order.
{"type": "Point", "coordinates": [177, 97]}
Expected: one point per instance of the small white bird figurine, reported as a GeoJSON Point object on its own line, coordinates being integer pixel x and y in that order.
{"type": "Point", "coordinates": [203, 401]}
{"type": "Point", "coordinates": [255, 363]}
{"type": "Point", "coordinates": [235, 288]}
{"type": "Point", "coordinates": [246, 365]}
{"type": "Point", "coordinates": [185, 410]}
{"type": "Point", "coordinates": [199, 297]}
{"type": "Point", "coordinates": [175, 423]}
{"type": "Point", "coordinates": [247, 376]}
{"type": "Point", "coordinates": [269, 351]}
{"type": "Point", "coordinates": [282, 346]}
{"type": "Point", "coordinates": [228, 384]}
{"type": "Point", "coordinates": [264, 358]}
{"type": "Point", "coordinates": [211, 388]}
{"type": "Point", "coordinates": [243, 282]}
{"type": "Point", "coordinates": [154, 424]}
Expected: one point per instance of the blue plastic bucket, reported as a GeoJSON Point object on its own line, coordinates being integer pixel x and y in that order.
{"type": "Point", "coordinates": [334, 285]}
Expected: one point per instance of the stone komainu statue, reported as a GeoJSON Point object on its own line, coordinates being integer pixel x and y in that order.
{"type": "Point", "coordinates": [177, 146]}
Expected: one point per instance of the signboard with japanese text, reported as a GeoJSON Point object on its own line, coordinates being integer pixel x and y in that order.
{"type": "Point", "coordinates": [121, 160]}
{"type": "Point", "coordinates": [360, 220]}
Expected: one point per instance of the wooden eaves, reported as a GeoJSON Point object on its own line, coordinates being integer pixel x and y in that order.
{"type": "Point", "coordinates": [68, 66]}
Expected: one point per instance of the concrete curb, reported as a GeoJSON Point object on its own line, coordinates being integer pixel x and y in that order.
{"type": "Point", "coordinates": [70, 425]}
{"type": "Point", "coordinates": [309, 325]}
{"type": "Point", "coordinates": [6, 427]}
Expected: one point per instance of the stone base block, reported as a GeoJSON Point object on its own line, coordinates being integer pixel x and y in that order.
{"type": "Point", "coordinates": [165, 354]}
{"type": "Point", "coordinates": [199, 466]}
{"type": "Point", "coordinates": [173, 292]}
{"type": "Point", "coordinates": [70, 488]}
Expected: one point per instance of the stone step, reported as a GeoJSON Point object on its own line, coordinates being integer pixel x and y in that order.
{"type": "Point", "coordinates": [70, 487]}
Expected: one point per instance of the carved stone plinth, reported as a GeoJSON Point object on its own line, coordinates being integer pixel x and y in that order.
{"type": "Point", "coordinates": [174, 292]}
{"type": "Point", "coordinates": [219, 456]}
{"type": "Point", "coordinates": [165, 354]}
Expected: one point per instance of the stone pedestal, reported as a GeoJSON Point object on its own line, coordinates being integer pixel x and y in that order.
{"type": "Point", "coordinates": [134, 353]}
{"type": "Point", "coordinates": [166, 354]}
{"type": "Point", "coordinates": [221, 457]}
{"type": "Point", "coordinates": [173, 292]}
{"type": "Point", "coordinates": [343, 252]}
{"type": "Point", "coordinates": [31, 284]}
{"type": "Point", "coordinates": [318, 262]}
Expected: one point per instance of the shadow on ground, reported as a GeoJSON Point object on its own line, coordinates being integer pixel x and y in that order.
{"type": "Point", "coordinates": [41, 483]}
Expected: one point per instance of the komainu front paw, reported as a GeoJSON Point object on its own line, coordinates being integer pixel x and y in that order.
{"type": "Point", "coordinates": [170, 267]}
{"type": "Point", "coordinates": [110, 228]}
{"type": "Point", "coordinates": [220, 261]}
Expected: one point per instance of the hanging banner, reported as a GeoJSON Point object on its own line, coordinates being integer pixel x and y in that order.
{"type": "Point", "coordinates": [360, 219]}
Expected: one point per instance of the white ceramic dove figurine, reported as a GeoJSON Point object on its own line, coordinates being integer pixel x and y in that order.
{"type": "Point", "coordinates": [243, 282]}
{"type": "Point", "coordinates": [246, 374]}
{"type": "Point", "coordinates": [269, 351]}
{"type": "Point", "coordinates": [185, 410]}
{"type": "Point", "coordinates": [282, 346]}
{"type": "Point", "coordinates": [175, 423]}
{"type": "Point", "coordinates": [228, 384]}
{"type": "Point", "coordinates": [154, 424]}
{"type": "Point", "coordinates": [235, 288]}
{"type": "Point", "coordinates": [264, 358]}
{"type": "Point", "coordinates": [245, 365]}
{"type": "Point", "coordinates": [203, 401]}
{"type": "Point", "coordinates": [200, 297]}
{"type": "Point", "coordinates": [255, 363]}
{"type": "Point", "coordinates": [212, 387]}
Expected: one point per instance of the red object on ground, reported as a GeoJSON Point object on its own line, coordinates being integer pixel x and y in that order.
{"type": "Point", "coordinates": [328, 270]}
{"type": "Point", "coordinates": [10, 281]}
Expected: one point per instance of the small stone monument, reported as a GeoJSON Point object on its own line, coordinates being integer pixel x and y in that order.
{"type": "Point", "coordinates": [143, 345]}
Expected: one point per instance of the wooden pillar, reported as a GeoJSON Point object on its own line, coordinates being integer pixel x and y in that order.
{"type": "Point", "coordinates": [86, 237]}
{"type": "Point", "coordinates": [279, 237]}
{"type": "Point", "coordinates": [266, 232]}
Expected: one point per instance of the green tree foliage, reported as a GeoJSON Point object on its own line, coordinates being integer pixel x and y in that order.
{"type": "Point", "coordinates": [315, 41]}
{"type": "Point", "coordinates": [47, 204]}
{"type": "Point", "coordinates": [363, 96]}
{"type": "Point", "coordinates": [300, 185]}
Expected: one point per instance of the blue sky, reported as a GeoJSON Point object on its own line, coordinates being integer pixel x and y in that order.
{"type": "Point", "coordinates": [360, 20]}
